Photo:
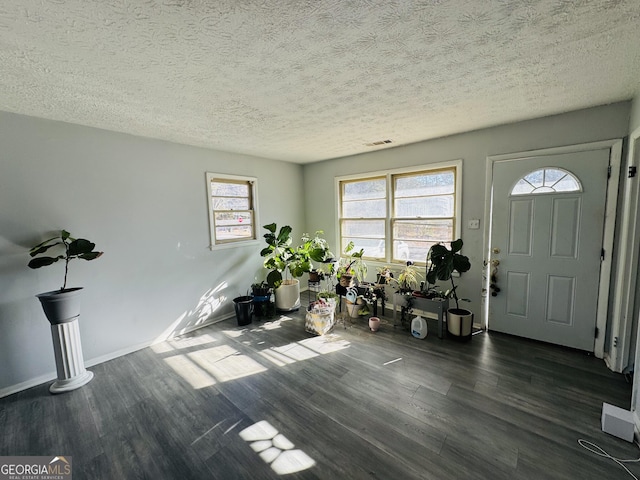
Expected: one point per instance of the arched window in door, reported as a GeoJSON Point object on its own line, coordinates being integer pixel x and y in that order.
{"type": "Point", "coordinates": [547, 180]}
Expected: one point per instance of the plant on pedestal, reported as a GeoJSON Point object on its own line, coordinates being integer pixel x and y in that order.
{"type": "Point", "coordinates": [62, 308]}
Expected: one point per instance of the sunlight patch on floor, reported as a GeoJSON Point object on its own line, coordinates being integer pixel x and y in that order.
{"type": "Point", "coordinates": [192, 373]}
{"type": "Point", "coordinates": [205, 368]}
{"type": "Point", "coordinates": [208, 366]}
{"type": "Point", "coordinates": [276, 449]}
{"type": "Point", "coordinates": [225, 363]}
{"type": "Point", "coordinates": [183, 342]}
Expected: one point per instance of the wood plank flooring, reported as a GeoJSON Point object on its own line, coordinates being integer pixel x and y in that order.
{"type": "Point", "coordinates": [271, 401]}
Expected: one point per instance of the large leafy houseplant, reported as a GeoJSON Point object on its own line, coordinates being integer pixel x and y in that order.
{"type": "Point", "coordinates": [443, 262]}
{"type": "Point", "coordinates": [74, 248]}
{"type": "Point", "coordinates": [282, 259]}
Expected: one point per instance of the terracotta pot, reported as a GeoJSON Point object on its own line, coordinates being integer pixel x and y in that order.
{"type": "Point", "coordinates": [315, 276]}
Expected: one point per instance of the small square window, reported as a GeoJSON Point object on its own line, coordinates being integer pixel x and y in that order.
{"type": "Point", "coordinates": [232, 209]}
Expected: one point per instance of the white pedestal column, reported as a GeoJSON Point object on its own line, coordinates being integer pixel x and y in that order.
{"type": "Point", "coordinates": [69, 362]}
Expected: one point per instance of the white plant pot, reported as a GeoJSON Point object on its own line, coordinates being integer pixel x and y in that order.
{"type": "Point", "coordinates": [459, 323]}
{"type": "Point", "coordinates": [288, 295]}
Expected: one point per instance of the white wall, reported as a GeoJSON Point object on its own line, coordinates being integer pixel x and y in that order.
{"type": "Point", "coordinates": [601, 123]}
{"type": "Point", "coordinates": [143, 202]}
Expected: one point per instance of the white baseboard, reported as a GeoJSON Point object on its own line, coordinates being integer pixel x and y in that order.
{"type": "Point", "coordinates": [34, 382]}
{"type": "Point", "coordinates": [49, 377]}
{"type": "Point", "coordinates": [118, 353]}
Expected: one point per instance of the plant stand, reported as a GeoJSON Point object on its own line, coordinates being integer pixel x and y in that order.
{"type": "Point", "coordinates": [68, 353]}
{"type": "Point", "coordinates": [436, 306]}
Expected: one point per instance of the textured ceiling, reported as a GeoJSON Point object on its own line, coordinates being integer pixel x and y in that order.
{"type": "Point", "coordinates": [309, 80]}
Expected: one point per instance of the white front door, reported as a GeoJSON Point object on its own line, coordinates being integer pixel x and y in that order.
{"type": "Point", "coordinates": [547, 226]}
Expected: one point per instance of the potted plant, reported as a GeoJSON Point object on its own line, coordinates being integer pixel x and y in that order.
{"type": "Point", "coordinates": [286, 264]}
{"type": "Point", "coordinates": [318, 250]}
{"type": "Point", "coordinates": [351, 265]}
{"type": "Point", "coordinates": [263, 307]}
{"type": "Point", "coordinates": [384, 274]}
{"type": "Point", "coordinates": [408, 279]}
{"type": "Point", "coordinates": [62, 308]}
{"type": "Point", "coordinates": [443, 262]}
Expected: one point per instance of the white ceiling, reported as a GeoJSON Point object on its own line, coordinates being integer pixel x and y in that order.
{"type": "Point", "coordinates": [307, 80]}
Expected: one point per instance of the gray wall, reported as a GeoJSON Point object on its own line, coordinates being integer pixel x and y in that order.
{"type": "Point", "coordinates": [143, 202]}
{"type": "Point", "coordinates": [601, 123]}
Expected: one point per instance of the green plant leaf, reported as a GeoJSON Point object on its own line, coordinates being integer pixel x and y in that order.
{"type": "Point", "coordinates": [284, 235]}
{"type": "Point", "coordinates": [461, 263]}
{"type": "Point", "coordinates": [274, 279]}
{"type": "Point", "coordinates": [456, 245]}
{"type": "Point", "coordinates": [38, 249]}
{"type": "Point", "coordinates": [271, 227]}
{"type": "Point", "coordinates": [64, 234]}
{"type": "Point", "coordinates": [80, 246]}
{"type": "Point", "coordinates": [317, 254]}
{"type": "Point", "coordinates": [90, 255]}
{"type": "Point", "coordinates": [42, 261]}
{"type": "Point", "coordinates": [438, 250]}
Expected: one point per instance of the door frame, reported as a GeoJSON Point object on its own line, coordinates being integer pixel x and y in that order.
{"type": "Point", "coordinates": [620, 355]}
{"type": "Point", "coordinates": [615, 154]}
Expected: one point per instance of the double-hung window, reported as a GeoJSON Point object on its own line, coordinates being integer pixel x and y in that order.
{"type": "Point", "coordinates": [396, 216]}
{"type": "Point", "coordinates": [232, 209]}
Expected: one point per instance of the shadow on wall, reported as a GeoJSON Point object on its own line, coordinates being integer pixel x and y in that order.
{"type": "Point", "coordinates": [216, 303]}
{"type": "Point", "coordinates": [208, 305]}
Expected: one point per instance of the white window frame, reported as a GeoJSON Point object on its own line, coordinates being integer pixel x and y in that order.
{"type": "Point", "coordinates": [253, 183]}
{"type": "Point", "coordinates": [389, 174]}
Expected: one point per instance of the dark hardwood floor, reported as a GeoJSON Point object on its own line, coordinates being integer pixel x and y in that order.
{"type": "Point", "coordinates": [271, 401]}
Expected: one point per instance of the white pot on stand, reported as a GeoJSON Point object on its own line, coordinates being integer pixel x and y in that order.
{"type": "Point", "coordinates": [62, 309]}
{"type": "Point", "coordinates": [288, 295]}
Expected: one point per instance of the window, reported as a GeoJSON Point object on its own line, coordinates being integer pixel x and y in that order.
{"type": "Point", "coordinates": [397, 216]}
{"type": "Point", "coordinates": [232, 217]}
{"type": "Point", "coordinates": [547, 180]}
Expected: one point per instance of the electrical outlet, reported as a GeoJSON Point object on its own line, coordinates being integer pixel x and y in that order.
{"type": "Point", "coordinates": [474, 224]}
